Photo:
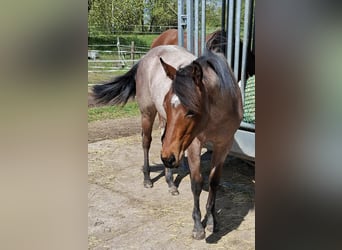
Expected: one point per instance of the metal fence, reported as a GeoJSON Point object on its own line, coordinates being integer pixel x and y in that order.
{"type": "Point", "coordinates": [192, 19]}
{"type": "Point", "coordinates": [189, 12]}
{"type": "Point", "coordinates": [114, 57]}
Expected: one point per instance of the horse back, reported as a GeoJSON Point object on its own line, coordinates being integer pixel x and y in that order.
{"type": "Point", "coordinates": [152, 84]}
{"type": "Point", "coordinates": [168, 37]}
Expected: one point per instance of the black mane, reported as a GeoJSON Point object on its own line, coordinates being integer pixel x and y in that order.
{"type": "Point", "coordinates": [184, 86]}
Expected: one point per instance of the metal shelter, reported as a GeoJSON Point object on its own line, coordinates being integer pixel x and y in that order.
{"type": "Point", "coordinates": [192, 19]}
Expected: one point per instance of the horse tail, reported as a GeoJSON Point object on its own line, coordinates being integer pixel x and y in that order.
{"type": "Point", "coordinates": [217, 41]}
{"type": "Point", "coordinates": [118, 90]}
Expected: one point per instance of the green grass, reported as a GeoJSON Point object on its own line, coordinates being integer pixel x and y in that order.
{"type": "Point", "coordinates": [125, 39]}
{"type": "Point", "coordinates": [131, 109]}
{"type": "Point", "coordinates": [99, 77]}
{"type": "Point", "coordinates": [110, 112]}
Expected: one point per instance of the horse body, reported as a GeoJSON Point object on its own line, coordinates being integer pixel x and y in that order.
{"type": "Point", "coordinates": [212, 114]}
{"type": "Point", "coordinates": [148, 82]}
{"type": "Point", "coordinates": [168, 37]}
{"type": "Point", "coordinates": [152, 85]}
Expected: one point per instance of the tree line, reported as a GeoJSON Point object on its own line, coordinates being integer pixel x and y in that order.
{"type": "Point", "coordinates": [112, 16]}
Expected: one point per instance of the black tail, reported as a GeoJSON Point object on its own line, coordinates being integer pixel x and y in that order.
{"type": "Point", "coordinates": [118, 90]}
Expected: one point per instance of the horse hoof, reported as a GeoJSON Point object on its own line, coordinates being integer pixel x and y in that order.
{"type": "Point", "coordinates": [148, 184]}
{"type": "Point", "coordinates": [174, 191]}
{"type": "Point", "coordinates": [198, 235]}
{"type": "Point", "coordinates": [210, 228]}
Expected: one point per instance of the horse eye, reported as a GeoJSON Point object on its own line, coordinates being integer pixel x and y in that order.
{"type": "Point", "coordinates": [190, 113]}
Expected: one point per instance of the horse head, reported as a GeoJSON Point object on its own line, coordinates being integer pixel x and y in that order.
{"type": "Point", "coordinates": [186, 111]}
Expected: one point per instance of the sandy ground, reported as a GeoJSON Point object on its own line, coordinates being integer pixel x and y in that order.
{"type": "Point", "coordinates": [122, 214]}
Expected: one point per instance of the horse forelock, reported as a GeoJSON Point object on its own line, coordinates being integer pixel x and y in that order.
{"type": "Point", "coordinates": [185, 89]}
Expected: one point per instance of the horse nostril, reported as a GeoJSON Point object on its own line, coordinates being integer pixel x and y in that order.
{"type": "Point", "coordinates": [170, 161]}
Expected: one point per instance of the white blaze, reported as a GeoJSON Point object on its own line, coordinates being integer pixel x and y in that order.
{"type": "Point", "coordinates": [175, 100]}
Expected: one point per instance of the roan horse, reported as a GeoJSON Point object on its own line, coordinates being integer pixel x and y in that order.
{"type": "Point", "coordinates": [146, 81]}
{"type": "Point", "coordinates": [200, 101]}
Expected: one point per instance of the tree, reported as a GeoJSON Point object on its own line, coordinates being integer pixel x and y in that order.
{"type": "Point", "coordinates": [107, 16]}
{"type": "Point", "coordinates": [99, 15]}
{"type": "Point", "coordinates": [213, 14]}
{"type": "Point", "coordinates": [115, 15]}
{"type": "Point", "coordinates": [161, 13]}
{"type": "Point", "coordinates": [90, 2]}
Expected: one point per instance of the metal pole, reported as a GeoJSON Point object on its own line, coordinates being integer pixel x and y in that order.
{"type": "Point", "coordinates": [253, 45]}
{"type": "Point", "coordinates": [203, 42]}
{"type": "Point", "coordinates": [237, 38]}
{"type": "Point", "coordinates": [223, 15]}
{"type": "Point", "coordinates": [190, 28]}
{"type": "Point", "coordinates": [180, 11]}
{"type": "Point", "coordinates": [253, 28]}
{"type": "Point", "coordinates": [245, 44]}
{"type": "Point", "coordinates": [230, 32]}
{"type": "Point", "coordinates": [196, 28]}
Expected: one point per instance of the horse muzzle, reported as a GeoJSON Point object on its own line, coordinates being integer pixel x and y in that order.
{"type": "Point", "coordinates": [170, 161]}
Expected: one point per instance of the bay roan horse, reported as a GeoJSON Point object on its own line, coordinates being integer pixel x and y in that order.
{"type": "Point", "coordinates": [200, 101]}
{"type": "Point", "coordinates": [146, 81]}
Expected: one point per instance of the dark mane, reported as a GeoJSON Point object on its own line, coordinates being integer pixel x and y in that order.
{"type": "Point", "coordinates": [184, 86]}
{"type": "Point", "coordinates": [219, 64]}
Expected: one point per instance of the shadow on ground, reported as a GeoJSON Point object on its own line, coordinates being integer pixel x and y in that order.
{"type": "Point", "coordinates": [235, 196]}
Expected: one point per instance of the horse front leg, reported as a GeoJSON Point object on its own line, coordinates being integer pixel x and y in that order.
{"type": "Point", "coordinates": [198, 232]}
{"type": "Point", "coordinates": [169, 180]}
{"type": "Point", "coordinates": [147, 124]}
{"type": "Point", "coordinates": [194, 157]}
{"type": "Point", "coordinates": [146, 168]}
{"type": "Point", "coordinates": [210, 221]}
{"type": "Point", "coordinates": [217, 161]}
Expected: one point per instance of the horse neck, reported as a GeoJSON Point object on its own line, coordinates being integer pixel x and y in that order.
{"type": "Point", "coordinates": [205, 109]}
{"type": "Point", "coordinates": [218, 103]}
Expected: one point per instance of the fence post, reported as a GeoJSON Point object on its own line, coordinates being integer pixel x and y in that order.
{"type": "Point", "coordinates": [132, 52]}
{"type": "Point", "coordinates": [118, 46]}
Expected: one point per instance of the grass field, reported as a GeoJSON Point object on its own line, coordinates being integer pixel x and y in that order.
{"type": "Point", "coordinates": [113, 112]}
{"type": "Point", "coordinates": [109, 112]}
{"type": "Point", "coordinates": [99, 77]}
{"type": "Point", "coordinates": [139, 40]}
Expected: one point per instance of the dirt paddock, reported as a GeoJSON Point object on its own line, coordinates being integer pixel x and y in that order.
{"type": "Point", "coordinates": [122, 214]}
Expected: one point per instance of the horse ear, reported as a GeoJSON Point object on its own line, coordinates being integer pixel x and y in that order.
{"type": "Point", "coordinates": [197, 73]}
{"type": "Point", "coordinates": [169, 70]}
